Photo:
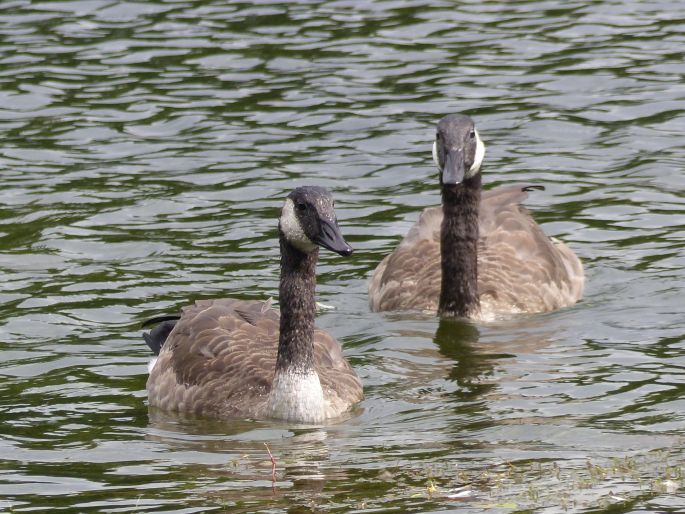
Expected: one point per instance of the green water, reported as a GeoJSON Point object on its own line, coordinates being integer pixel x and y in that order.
{"type": "Point", "coordinates": [146, 150]}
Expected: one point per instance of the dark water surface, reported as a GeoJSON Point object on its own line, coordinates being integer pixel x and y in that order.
{"type": "Point", "coordinates": [146, 149]}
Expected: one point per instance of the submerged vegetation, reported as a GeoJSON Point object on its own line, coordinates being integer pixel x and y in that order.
{"type": "Point", "coordinates": [541, 486]}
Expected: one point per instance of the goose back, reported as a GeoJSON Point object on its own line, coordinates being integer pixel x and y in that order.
{"type": "Point", "coordinates": [220, 358]}
{"type": "Point", "coordinates": [520, 269]}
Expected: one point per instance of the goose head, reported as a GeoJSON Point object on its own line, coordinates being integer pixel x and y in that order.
{"type": "Point", "coordinates": [458, 150]}
{"type": "Point", "coordinates": [308, 221]}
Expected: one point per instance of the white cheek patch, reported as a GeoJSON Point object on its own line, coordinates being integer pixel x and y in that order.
{"type": "Point", "coordinates": [435, 154]}
{"type": "Point", "coordinates": [480, 154]}
{"type": "Point", "coordinates": [292, 230]}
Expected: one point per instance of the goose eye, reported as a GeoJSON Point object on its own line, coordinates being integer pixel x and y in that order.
{"type": "Point", "coordinates": [437, 136]}
{"type": "Point", "coordinates": [301, 206]}
{"type": "Point", "coordinates": [472, 134]}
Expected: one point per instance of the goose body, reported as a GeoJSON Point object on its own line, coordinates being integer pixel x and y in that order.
{"type": "Point", "coordinates": [480, 254]}
{"type": "Point", "coordinates": [233, 358]}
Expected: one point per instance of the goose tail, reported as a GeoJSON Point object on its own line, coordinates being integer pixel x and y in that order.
{"type": "Point", "coordinates": [156, 337]}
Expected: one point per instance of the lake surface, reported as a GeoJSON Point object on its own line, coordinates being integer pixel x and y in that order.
{"type": "Point", "coordinates": [146, 150]}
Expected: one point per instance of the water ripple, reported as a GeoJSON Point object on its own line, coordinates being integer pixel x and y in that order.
{"type": "Point", "coordinates": [147, 147]}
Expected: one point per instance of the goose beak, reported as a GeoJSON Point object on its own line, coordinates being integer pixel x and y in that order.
{"type": "Point", "coordinates": [330, 238]}
{"type": "Point", "coordinates": [454, 168]}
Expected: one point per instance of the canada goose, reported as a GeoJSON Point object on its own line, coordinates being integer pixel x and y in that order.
{"type": "Point", "coordinates": [232, 358]}
{"type": "Point", "coordinates": [475, 257]}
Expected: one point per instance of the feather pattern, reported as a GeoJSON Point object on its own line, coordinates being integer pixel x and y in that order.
{"type": "Point", "coordinates": [520, 269]}
{"type": "Point", "coordinates": [219, 362]}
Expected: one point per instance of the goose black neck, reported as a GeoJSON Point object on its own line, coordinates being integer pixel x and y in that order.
{"type": "Point", "coordinates": [459, 249]}
{"type": "Point", "coordinates": [296, 299]}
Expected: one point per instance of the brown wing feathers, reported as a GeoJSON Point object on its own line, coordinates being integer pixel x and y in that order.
{"type": "Point", "coordinates": [519, 268]}
{"type": "Point", "coordinates": [222, 356]}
